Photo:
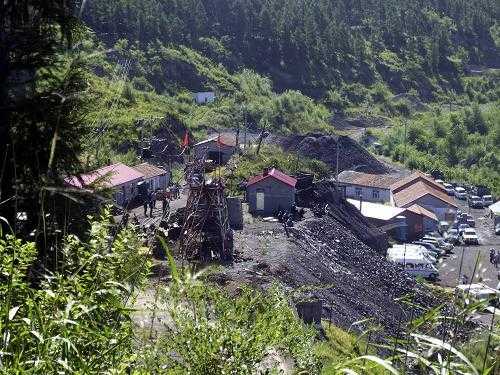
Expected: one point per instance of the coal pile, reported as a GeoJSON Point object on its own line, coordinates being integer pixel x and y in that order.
{"type": "Point", "coordinates": [324, 147]}
{"type": "Point", "coordinates": [353, 281]}
{"type": "Point", "coordinates": [325, 195]}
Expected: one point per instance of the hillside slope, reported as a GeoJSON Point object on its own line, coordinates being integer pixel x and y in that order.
{"type": "Point", "coordinates": [312, 45]}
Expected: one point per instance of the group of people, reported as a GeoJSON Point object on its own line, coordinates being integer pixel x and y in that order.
{"type": "Point", "coordinates": [495, 258]}
{"type": "Point", "coordinates": [165, 198]}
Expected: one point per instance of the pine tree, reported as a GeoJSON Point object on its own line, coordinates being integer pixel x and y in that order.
{"type": "Point", "coordinates": [41, 111]}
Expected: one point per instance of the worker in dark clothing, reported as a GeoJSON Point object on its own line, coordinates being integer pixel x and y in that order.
{"type": "Point", "coordinates": [165, 204]}
{"type": "Point", "coordinates": [151, 205]}
{"type": "Point", "coordinates": [145, 204]}
{"type": "Point", "coordinates": [153, 198]}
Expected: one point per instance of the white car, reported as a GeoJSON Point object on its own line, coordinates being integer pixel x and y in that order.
{"type": "Point", "coordinates": [439, 242]}
{"type": "Point", "coordinates": [449, 189]}
{"type": "Point", "coordinates": [460, 193]}
{"type": "Point", "coordinates": [469, 236]}
{"type": "Point", "coordinates": [478, 292]}
{"type": "Point", "coordinates": [487, 200]}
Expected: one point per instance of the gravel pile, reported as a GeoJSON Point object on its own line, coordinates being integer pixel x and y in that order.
{"type": "Point", "coordinates": [324, 148]}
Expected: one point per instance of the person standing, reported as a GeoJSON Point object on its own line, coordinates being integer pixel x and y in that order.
{"type": "Point", "coordinates": [145, 205]}
{"type": "Point", "coordinates": [153, 198]}
{"type": "Point", "coordinates": [151, 204]}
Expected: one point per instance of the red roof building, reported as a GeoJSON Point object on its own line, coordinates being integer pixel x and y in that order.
{"type": "Point", "coordinates": [271, 192]}
{"type": "Point", "coordinates": [413, 179]}
{"type": "Point", "coordinates": [273, 173]}
{"type": "Point", "coordinates": [119, 177]}
{"type": "Point", "coordinates": [109, 176]}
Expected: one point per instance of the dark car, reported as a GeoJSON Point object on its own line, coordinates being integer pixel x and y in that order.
{"type": "Point", "coordinates": [475, 202]}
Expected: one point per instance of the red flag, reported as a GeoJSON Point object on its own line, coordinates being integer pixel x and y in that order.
{"type": "Point", "coordinates": [185, 141]}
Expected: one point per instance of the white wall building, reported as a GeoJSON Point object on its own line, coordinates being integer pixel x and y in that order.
{"type": "Point", "coordinates": [368, 187]}
{"type": "Point", "coordinates": [204, 97]}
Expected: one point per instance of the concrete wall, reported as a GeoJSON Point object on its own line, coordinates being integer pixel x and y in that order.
{"type": "Point", "coordinates": [435, 205]}
{"type": "Point", "coordinates": [277, 196]}
{"type": "Point", "coordinates": [126, 191]}
{"type": "Point", "coordinates": [204, 149]}
{"type": "Point", "coordinates": [385, 195]}
{"type": "Point", "coordinates": [158, 182]}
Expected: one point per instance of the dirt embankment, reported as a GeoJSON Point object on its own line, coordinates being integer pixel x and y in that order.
{"type": "Point", "coordinates": [351, 155]}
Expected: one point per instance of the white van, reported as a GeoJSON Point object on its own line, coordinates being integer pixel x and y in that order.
{"type": "Point", "coordinates": [414, 249]}
{"type": "Point", "coordinates": [414, 262]}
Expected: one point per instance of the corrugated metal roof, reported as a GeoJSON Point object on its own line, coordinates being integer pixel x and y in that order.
{"type": "Point", "coordinates": [417, 191]}
{"type": "Point", "coordinates": [111, 175]}
{"type": "Point", "coordinates": [222, 140]}
{"type": "Point", "coordinates": [278, 175]}
{"type": "Point", "coordinates": [419, 210]}
{"type": "Point", "coordinates": [376, 210]}
{"type": "Point", "coordinates": [149, 170]}
{"type": "Point", "coordinates": [382, 181]}
{"type": "Point", "coordinates": [414, 178]}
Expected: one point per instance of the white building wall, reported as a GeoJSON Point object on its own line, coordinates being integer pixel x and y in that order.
{"type": "Point", "coordinates": [204, 97]}
{"type": "Point", "coordinates": [369, 194]}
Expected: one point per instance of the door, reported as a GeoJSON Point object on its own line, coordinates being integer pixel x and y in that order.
{"type": "Point", "coordinates": [260, 201]}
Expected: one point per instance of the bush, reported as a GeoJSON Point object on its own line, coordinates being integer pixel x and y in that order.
{"type": "Point", "coordinates": [74, 320]}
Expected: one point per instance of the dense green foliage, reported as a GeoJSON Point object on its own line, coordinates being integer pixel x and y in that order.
{"type": "Point", "coordinates": [464, 144]}
{"type": "Point", "coordinates": [75, 319]}
{"type": "Point", "coordinates": [311, 45]}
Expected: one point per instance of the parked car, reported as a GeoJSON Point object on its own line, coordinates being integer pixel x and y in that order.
{"type": "Point", "coordinates": [449, 189]}
{"type": "Point", "coordinates": [439, 242]}
{"type": "Point", "coordinates": [475, 202]}
{"type": "Point", "coordinates": [438, 181]}
{"type": "Point", "coordinates": [433, 250]}
{"type": "Point", "coordinates": [460, 193]}
{"type": "Point", "coordinates": [487, 200]}
{"type": "Point", "coordinates": [443, 227]}
{"type": "Point", "coordinates": [473, 293]}
{"type": "Point", "coordinates": [469, 237]}
{"type": "Point", "coordinates": [497, 229]}
{"type": "Point", "coordinates": [462, 228]}
{"type": "Point", "coordinates": [471, 222]}
{"type": "Point", "coordinates": [452, 236]}
{"type": "Point", "coordinates": [482, 190]}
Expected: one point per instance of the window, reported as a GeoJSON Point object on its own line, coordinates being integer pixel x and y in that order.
{"type": "Point", "coordinates": [375, 194]}
{"type": "Point", "coordinates": [358, 192]}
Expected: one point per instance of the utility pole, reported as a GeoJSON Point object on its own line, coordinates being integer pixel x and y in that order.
{"type": "Point", "coordinates": [404, 159]}
{"type": "Point", "coordinates": [238, 136]}
{"type": "Point", "coordinates": [337, 161]}
{"type": "Point", "coordinates": [245, 126]}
